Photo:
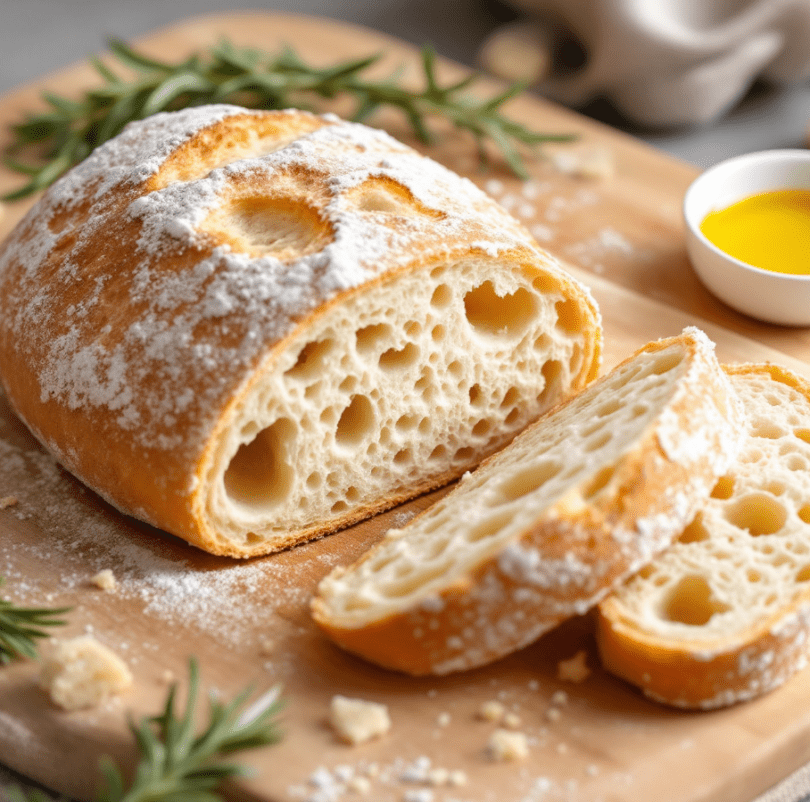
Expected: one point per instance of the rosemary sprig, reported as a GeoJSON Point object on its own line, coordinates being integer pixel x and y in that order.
{"type": "Point", "coordinates": [20, 627]}
{"type": "Point", "coordinates": [179, 765]}
{"type": "Point", "coordinates": [70, 129]}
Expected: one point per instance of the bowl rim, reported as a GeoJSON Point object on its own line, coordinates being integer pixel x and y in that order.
{"type": "Point", "coordinates": [742, 162]}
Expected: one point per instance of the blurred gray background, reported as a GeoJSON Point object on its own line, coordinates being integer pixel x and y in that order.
{"type": "Point", "coordinates": [41, 36]}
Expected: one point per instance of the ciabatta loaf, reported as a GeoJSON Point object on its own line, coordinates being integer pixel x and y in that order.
{"type": "Point", "coordinates": [252, 328]}
{"type": "Point", "coordinates": [545, 528]}
{"type": "Point", "coordinates": [724, 614]}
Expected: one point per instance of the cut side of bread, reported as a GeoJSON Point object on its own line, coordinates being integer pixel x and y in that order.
{"type": "Point", "coordinates": [544, 529]}
{"type": "Point", "coordinates": [254, 328]}
{"type": "Point", "coordinates": [724, 614]}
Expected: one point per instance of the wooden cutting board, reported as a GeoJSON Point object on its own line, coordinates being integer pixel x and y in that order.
{"type": "Point", "coordinates": [248, 622]}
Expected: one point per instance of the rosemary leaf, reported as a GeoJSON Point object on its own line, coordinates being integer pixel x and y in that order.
{"type": "Point", "coordinates": [21, 627]}
{"type": "Point", "coordinates": [68, 130]}
{"type": "Point", "coordinates": [178, 764]}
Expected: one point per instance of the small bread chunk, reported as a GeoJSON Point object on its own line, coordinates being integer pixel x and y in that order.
{"type": "Point", "coordinates": [724, 614]}
{"type": "Point", "coordinates": [508, 745]}
{"type": "Point", "coordinates": [81, 672]}
{"type": "Point", "coordinates": [300, 322]}
{"type": "Point", "coordinates": [545, 528]}
{"type": "Point", "coordinates": [356, 721]}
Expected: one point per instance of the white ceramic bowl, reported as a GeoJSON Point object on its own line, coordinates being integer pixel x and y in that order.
{"type": "Point", "coordinates": [773, 297]}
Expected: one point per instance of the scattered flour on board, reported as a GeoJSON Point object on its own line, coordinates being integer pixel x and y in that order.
{"type": "Point", "coordinates": [221, 598]}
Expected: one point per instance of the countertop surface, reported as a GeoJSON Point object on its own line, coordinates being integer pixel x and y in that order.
{"type": "Point", "coordinates": [42, 36]}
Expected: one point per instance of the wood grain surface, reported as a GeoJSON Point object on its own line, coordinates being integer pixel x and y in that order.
{"type": "Point", "coordinates": [249, 622]}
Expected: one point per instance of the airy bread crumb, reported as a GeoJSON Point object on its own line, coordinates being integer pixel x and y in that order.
{"type": "Point", "coordinates": [507, 745]}
{"type": "Point", "coordinates": [105, 580]}
{"type": "Point", "coordinates": [356, 721]}
{"type": "Point", "coordinates": [81, 673]}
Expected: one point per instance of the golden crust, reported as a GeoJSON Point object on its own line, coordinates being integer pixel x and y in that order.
{"type": "Point", "coordinates": [499, 606]}
{"type": "Point", "coordinates": [711, 672]}
{"type": "Point", "coordinates": [131, 319]}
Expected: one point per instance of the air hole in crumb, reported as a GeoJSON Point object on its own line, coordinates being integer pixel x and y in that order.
{"type": "Point", "coordinates": [260, 474]}
{"type": "Point", "coordinates": [481, 428]}
{"type": "Point", "coordinates": [753, 576]}
{"type": "Point", "coordinates": [356, 421]}
{"type": "Point", "coordinates": [413, 328]}
{"type": "Point", "coordinates": [499, 315]}
{"type": "Point", "coordinates": [441, 296]}
{"type": "Point", "coordinates": [695, 532]}
{"type": "Point", "coordinates": [608, 407]}
{"type": "Point", "coordinates": [666, 361]}
{"type": "Point", "coordinates": [546, 284]}
{"type": "Point", "coordinates": [455, 368]}
{"type": "Point", "coordinates": [691, 602]}
{"type": "Point", "coordinates": [599, 482]}
{"type": "Point", "coordinates": [476, 396]}
{"type": "Point", "coordinates": [638, 410]}
{"type": "Point", "coordinates": [424, 426]}
{"type": "Point", "coordinates": [403, 457]}
{"type": "Point", "coordinates": [438, 453]}
{"type": "Point", "coordinates": [414, 581]}
{"type": "Point", "coordinates": [352, 494]}
{"type": "Point", "coordinates": [339, 506]}
{"type": "Point", "coordinates": [575, 359]}
{"type": "Point", "coordinates": [624, 376]}
{"type": "Point", "coordinates": [592, 428]}
{"type": "Point", "coordinates": [399, 359]}
{"type": "Point", "coordinates": [775, 488]}
{"type": "Point", "coordinates": [569, 316]}
{"type": "Point", "coordinates": [463, 454]}
{"type": "Point", "coordinates": [511, 397]}
{"type": "Point", "coordinates": [348, 384]}
{"type": "Point", "coordinates": [437, 332]}
{"type": "Point", "coordinates": [795, 463]}
{"type": "Point", "coordinates": [370, 338]}
{"type": "Point", "coordinates": [802, 434]}
{"type": "Point", "coordinates": [724, 488]}
{"type": "Point", "coordinates": [314, 481]}
{"type": "Point", "coordinates": [512, 417]}
{"type": "Point", "coordinates": [758, 514]}
{"type": "Point", "coordinates": [311, 359]}
{"type": "Point", "coordinates": [407, 422]}
{"type": "Point", "coordinates": [488, 527]}
{"type": "Point", "coordinates": [528, 480]}
{"type": "Point", "coordinates": [436, 548]}
{"type": "Point", "coordinates": [767, 430]}
{"type": "Point", "coordinates": [804, 513]}
{"type": "Point", "coordinates": [552, 373]}
{"type": "Point", "coordinates": [804, 574]}
{"type": "Point", "coordinates": [597, 442]}
{"type": "Point", "coordinates": [542, 343]}
{"type": "Point", "coordinates": [329, 416]}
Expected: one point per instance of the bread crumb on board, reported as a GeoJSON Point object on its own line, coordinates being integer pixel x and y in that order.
{"type": "Point", "coordinates": [7, 501]}
{"type": "Point", "coordinates": [81, 672]}
{"type": "Point", "coordinates": [105, 580]}
{"type": "Point", "coordinates": [491, 711]}
{"type": "Point", "coordinates": [506, 745]}
{"type": "Point", "coordinates": [575, 669]}
{"type": "Point", "coordinates": [356, 721]}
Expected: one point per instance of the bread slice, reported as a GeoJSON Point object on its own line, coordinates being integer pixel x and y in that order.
{"type": "Point", "coordinates": [252, 328]}
{"type": "Point", "coordinates": [545, 528]}
{"type": "Point", "coordinates": [724, 615]}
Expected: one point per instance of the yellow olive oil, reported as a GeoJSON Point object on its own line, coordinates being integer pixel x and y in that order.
{"type": "Point", "coordinates": [770, 230]}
